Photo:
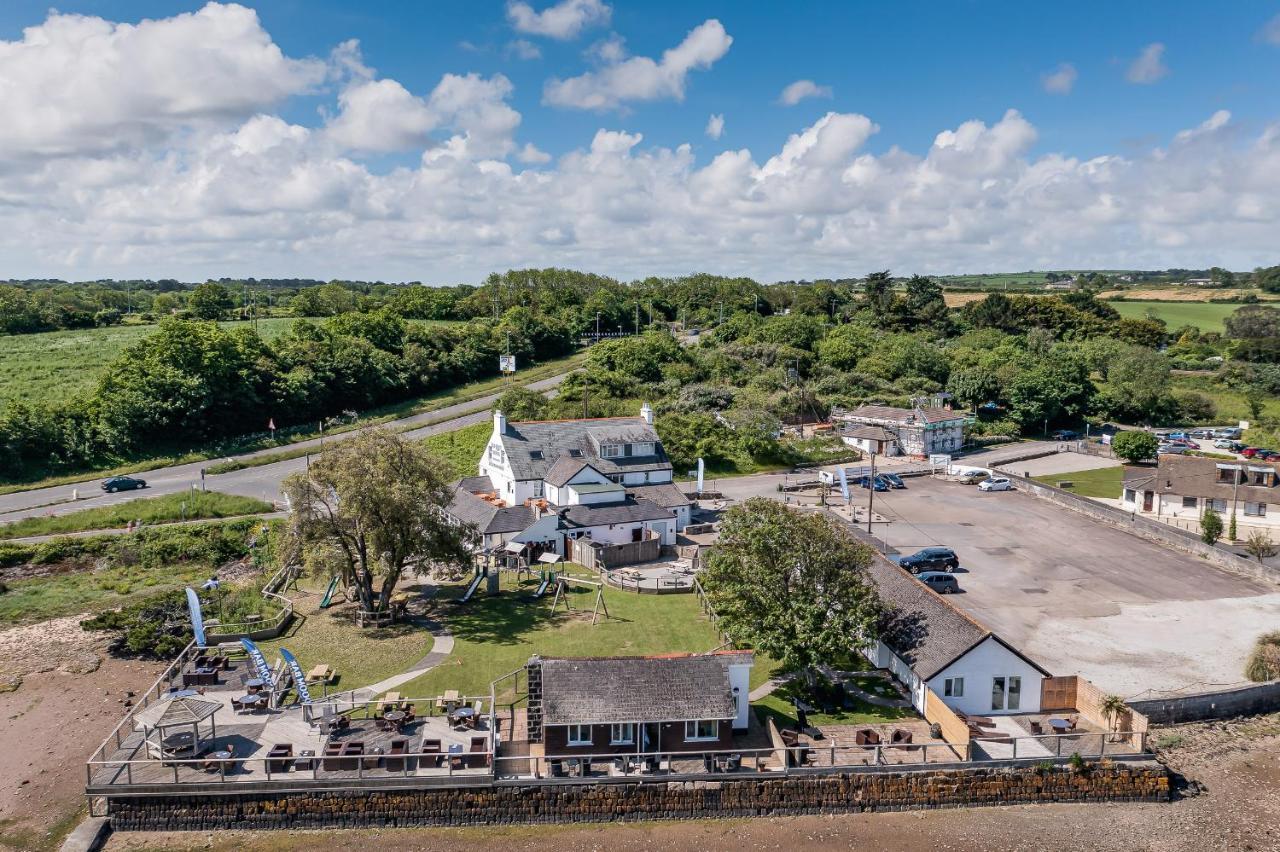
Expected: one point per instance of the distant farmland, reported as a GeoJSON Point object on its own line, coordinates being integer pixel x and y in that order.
{"type": "Point", "coordinates": [1206, 316]}
{"type": "Point", "coordinates": [57, 365]}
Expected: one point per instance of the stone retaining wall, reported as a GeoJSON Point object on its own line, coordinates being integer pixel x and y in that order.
{"type": "Point", "coordinates": [524, 803]}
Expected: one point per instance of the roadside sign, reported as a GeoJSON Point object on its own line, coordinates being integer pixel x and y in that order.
{"type": "Point", "coordinates": [507, 363]}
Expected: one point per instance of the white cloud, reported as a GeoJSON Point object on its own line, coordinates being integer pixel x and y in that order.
{"type": "Point", "coordinates": [564, 20]}
{"type": "Point", "coordinates": [641, 78]}
{"type": "Point", "coordinates": [524, 49]}
{"type": "Point", "coordinates": [79, 84]}
{"type": "Point", "coordinates": [1149, 66]}
{"type": "Point", "coordinates": [1270, 32]}
{"type": "Point", "coordinates": [1061, 80]}
{"type": "Point", "coordinates": [715, 126]}
{"type": "Point", "coordinates": [531, 154]}
{"type": "Point", "coordinates": [801, 89]}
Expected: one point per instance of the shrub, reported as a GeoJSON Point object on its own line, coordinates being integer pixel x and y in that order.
{"type": "Point", "coordinates": [1264, 662]}
{"type": "Point", "coordinates": [1168, 741]}
{"type": "Point", "coordinates": [1134, 446]}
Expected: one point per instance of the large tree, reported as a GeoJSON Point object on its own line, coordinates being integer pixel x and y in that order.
{"type": "Point", "coordinates": [367, 508]}
{"type": "Point", "coordinates": [793, 585]}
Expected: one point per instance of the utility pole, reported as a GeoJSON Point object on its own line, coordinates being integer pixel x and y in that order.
{"type": "Point", "coordinates": [1235, 492]}
{"type": "Point", "coordinates": [722, 312]}
{"type": "Point", "coordinates": [651, 313]}
{"type": "Point", "coordinates": [871, 492]}
{"type": "Point", "coordinates": [597, 326]}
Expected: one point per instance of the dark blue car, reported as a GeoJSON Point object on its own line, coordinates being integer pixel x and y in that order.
{"type": "Point", "coordinates": [880, 484]}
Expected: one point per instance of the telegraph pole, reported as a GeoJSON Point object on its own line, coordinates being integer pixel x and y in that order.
{"type": "Point", "coordinates": [637, 317]}
{"type": "Point", "coordinates": [871, 492]}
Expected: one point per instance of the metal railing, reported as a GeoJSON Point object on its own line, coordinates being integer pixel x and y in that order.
{"type": "Point", "coordinates": [155, 692]}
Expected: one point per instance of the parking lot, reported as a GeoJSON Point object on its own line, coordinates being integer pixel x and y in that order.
{"type": "Point", "coordinates": [1081, 597]}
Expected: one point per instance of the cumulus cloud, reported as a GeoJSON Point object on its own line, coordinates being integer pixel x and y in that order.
{"type": "Point", "coordinates": [715, 126]}
{"type": "Point", "coordinates": [524, 49]}
{"type": "Point", "coordinates": [1061, 80]}
{"type": "Point", "coordinates": [640, 78]}
{"type": "Point", "coordinates": [531, 154]}
{"type": "Point", "coordinates": [1149, 66]}
{"type": "Point", "coordinates": [1270, 32]}
{"type": "Point", "coordinates": [802, 89]}
{"type": "Point", "coordinates": [78, 84]}
{"type": "Point", "coordinates": [564, 21]}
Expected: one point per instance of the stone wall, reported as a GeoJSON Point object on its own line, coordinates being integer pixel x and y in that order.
{"type": "Point", "coordinates": [1223, 704]}
{"type": "Point", "coordinates": [550, 802]}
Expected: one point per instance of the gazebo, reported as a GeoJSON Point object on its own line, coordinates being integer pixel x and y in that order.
{"type": "Point", "coordinates": [183, 712]}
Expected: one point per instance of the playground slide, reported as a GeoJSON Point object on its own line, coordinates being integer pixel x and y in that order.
{"type": "Point", "coordinates": [471, 590]}
{"type": "Point", "coordinates": [327, 601]}
{"type": "Point", "coordinates": [546, 581]}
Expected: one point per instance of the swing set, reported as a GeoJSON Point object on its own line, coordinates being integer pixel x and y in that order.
{"type": "Point", "coordinates": [562, 595]}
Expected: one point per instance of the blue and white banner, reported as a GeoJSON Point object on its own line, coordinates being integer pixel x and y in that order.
{"type": "Point", "coordinates": [844, 483]}
{"type": "Point", "coordinates": [259, 663]}
{"type": "Point", "coordinates": [299, 680]}
{"type": "Point", "coordinates": [197, 618]}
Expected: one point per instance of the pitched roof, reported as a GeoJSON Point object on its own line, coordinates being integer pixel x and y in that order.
{"type": "Point", "coordinates": [1191, 476]}
{"type": "Point", "coordinates": [597, 691]}
{"type": "Point", "coordinates": [186, 711]}
{"type": "Point", "coordinates": [871, 433]}
{"type": "Point", "coordinates": [667, 494]}
{"type": "Point", "coordinates": [556, 438]}
{"type": "Point", "coordinates": [905, 416]}
{"type": "Point", "coordinates": [489, 519]}
{"type": "Point", "coordinates": [565, 468]}
{"type": "Point", "coordinates": [923, 628]}
{"type": "Point", "coordinates": [626, 511]}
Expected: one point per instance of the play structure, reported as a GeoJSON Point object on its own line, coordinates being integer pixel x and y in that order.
{"type": "Point", "coordinates": [562, 595]}
{"type": "Point", "coordinates": [481, 573]}
{"type": "Point", "coordinates": [548, 577]}
{"type": "Point", "coordinates": [327, 600]}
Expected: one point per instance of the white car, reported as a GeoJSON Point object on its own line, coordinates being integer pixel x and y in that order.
{"type": "Point", "coordinates": [996, 483]}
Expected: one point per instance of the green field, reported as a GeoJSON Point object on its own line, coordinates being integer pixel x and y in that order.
{"type": "Point", "coordinates": [152, 510]}
{"type": "Point", "coordinates": [1206, 316]}
{"type": "Point", "coordinates": [57, 365]}
{"type": "Point", "coordinates": [1098, 482]}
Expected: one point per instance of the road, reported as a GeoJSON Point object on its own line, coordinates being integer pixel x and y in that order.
{"type": "Point", "coordinates": [262, 482]}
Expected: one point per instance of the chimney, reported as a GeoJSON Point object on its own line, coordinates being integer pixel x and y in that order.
{"type": "Point", "coordinates": [646, 413]}
{"type": "Point", "coordinates": [499, 423]}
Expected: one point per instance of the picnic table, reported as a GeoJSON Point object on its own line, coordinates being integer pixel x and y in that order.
{"type": "Point", "coordinates": [463, 716]}
{"type": "Point", "coordinates": [321, 673]}
{"type": "Point", "coordinates": [390, 698]}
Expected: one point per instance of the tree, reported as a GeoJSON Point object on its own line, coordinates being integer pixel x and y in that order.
{"type": "Point", "coordinates": [792, 585]}
{"type": "Point", "coordinates": [1113, 708]}
{"type": "Point", "coordinates": [522, 404]}
{"type": "Point", "coordinates": [877, 293]}
{"type": "Point", "coordinates": [1255, 399]}
{"type": "Point", "coordinates": [368, 507]}
{"type": "Point", "coordinates": [1253, 321]}
{"type": "Point", "coordinates": [209, 301]}
{"type": "Point", "coordinates": [1210, 526]}
{"type": "Point", "coordinates": [1135, 446]}
{"type": "Point", "coordinates": [1258, 544]}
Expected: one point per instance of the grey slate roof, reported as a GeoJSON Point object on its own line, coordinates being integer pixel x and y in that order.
{"type": "Point", "coordinates": [476, 484]}
{"type": "Point", "coordinates": [905, 416]}
{"type": "Point", "coordinates": [638, 689]}
{"type": "Point", "coordinates": [565, 468]}
{"type": "Point", "coordinates": [667, 495]}
{"type": "Point", "coordinates": [626, 511]}
{"type": "Point", "coordinates": [1191, 476]}
{"type": "Point", "coordinates": [926, 631]}
{"type": "Point", "coordinates": [870, 433]}
{"type": "Point", "coordinates": [489, 519]}
{"type": "Point", "coordinates": [555, 438]}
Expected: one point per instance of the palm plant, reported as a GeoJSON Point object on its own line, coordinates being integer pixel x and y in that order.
{"type": "Point", "coordinates": [1113, 707]}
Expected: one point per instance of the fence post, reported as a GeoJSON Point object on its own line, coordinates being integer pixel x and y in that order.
{"type": "Point", "coordinates": [1015, 748]}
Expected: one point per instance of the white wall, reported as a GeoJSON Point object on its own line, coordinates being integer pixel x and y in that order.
{"type": "Point", "coordinates": [989, 659]}
{"type": "Point", "coordinates": [740, 679]}
{"type": "Point", "coordinates": [884, 658]}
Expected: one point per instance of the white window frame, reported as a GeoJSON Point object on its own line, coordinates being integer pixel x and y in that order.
{"type": "Point", "coordinates": [575, 738]}
{"type": "Point", "coordinates": [610, 451]}
{"type": "Point", "coordinates": [622, 733]}
{"type": "Point", "coordinates": [1255, 510]}
{"type": "Point", "coordinates": [692, 727]}
{"type": "Point", "coordinates": [953, 687]}
{"type": "Point", "coordinates": [537, 488]}
{"type": "Point", "coordinates": [1190, 502]}
{"type": "Point", "coordinates": [1216, 503]}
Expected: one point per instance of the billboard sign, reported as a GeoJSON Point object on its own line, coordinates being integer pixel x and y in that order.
{"type": "Point", "coordinates": [507, 363]}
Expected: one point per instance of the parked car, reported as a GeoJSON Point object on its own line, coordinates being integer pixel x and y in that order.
{"type": "Point", "coordinates": [930, 559]}
{"type": "Point", "coordinates": [1266, 455]}
{"type": "Point", "coordinates": [1170, 450]}
{"type": "Point", "coordinates": [972, 477]}
{"type": "Point", "coordinates": [894, 480]}
{"type": "Point", "coordinates": [1065, 435]}
{"type": "Point", "coordinates": [122, 483]}
{"type": "Point", "coordinates": [1230, 432]}
{"type": "Point", "coordinates": [942, 583]}
{"type": "Point", "coordinates": [996, 483]}
{"type": "Point", "coordinates": [1202, 433]}
{"type": "Point", "coordinates": [1249, 452]}
{"type": "Point", "coordinates": [879, 484]}
{"type": "Point", "coordinates": [1177, 436]}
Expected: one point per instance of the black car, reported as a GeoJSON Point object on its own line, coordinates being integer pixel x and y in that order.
{"type": "Point", "coordinates": [931, 559]}
{"type": "Point", "coordinates": [122, 483]}
{"type": "Point", "coordinates": [1065, 435]}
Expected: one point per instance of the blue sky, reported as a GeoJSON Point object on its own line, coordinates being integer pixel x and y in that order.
{"type": "Point", "coordinates": [913, 70]}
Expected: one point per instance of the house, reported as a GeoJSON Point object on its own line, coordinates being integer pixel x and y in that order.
{"type": "Point", "coordinates": [572, 486]}
{"type": "Point", "coordinates": [929, 644]}
{"type": "Point", "coordinates": [923, 430]}
{"type": "Point", "coordinates": [1184, 486]}
{"type": "Point", "coordinates": [628, 705]}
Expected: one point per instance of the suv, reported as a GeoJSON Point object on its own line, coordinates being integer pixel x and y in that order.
{"type": "Point", "coordinates": [943, 584]}
{"type": "Point", "coordinates": [1065, 435]}
{"type": "Point", "coordinates": [122, 483]}
{"type": "Point", "coordinates": [931, 559]}
{"type": "Point", "coordinates": [1231, 432]}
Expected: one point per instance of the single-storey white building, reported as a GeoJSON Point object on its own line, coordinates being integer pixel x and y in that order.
{"type": "Point", "coordinates": [1184, 486]}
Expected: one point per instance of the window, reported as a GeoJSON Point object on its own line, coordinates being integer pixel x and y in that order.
{"type": "Point", "coordinates": [623, 734]}
{"type": "Point", "coordinates": [997, 693]}
{"type": "Point", "coordinates": [575, 454]}
{"type": "Point", "coordinates": [495, 453]}
{"type": "Point", "coordinates": [579, 735]}
{"type": "Point", "coordinates": [1216, 504]}
{"type": "Point", "coordinates": [1227, 474]}
{"type": "Point", "coordinates": [953, 687]}
{"type": "Point", "coordinates": [701, 730]}
{"type": "Point", "coordinates": [1015, 693]}
{"type": "Point", "coordinates": [1188, 502]}
{"type": "Point", "coordinates": [537, 488]}
{"type": "Point", "coordinates": [536, 455]}
{"type": "Point", "coordinates": [610, 451]}
{"type": "Point", "coordinates": [1006, 693]}
{"type": "Point", "coordinates": [1255, 510]}
{"type": "Point", "coordinates": [1130, 496]}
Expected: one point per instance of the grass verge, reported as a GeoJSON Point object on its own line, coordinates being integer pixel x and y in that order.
{"type": "Point", "coordinates": [1105, 482]}
{"type": "Point", "coordinates": [195, 505]}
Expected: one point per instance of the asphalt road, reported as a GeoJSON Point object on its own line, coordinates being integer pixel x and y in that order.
{"type": "Point", "coordinates": [262, 482]}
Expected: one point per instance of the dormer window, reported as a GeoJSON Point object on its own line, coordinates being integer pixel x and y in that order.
{"type": "Point", "coordinates": [575, 454]}
{"type": "Point", "coordinates": [536, 455]}
{"type": "Point", "coordinates": [610, 451]}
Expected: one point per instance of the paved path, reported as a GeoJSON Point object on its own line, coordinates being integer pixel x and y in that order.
{"type": "Point", "coordinates": [262, 482]}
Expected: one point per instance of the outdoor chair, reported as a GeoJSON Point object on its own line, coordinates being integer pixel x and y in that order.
{"type": "Point", "coordinates": [395, 763]}
{"type": "Point", "coordinates": [433, 747]}
{"type": "Point", "coordinates": [332, 753]}
{"type": "Point", "coordinates": [479, 751]}
{"type": "Point", "coordinates": [278, 758]}
{"type": "Point", "coordinates": [901, 737]}
{"type": "Point", "coordinates": [1036, 728]}
{"type": "Point", "coordinates": [556, 768]}
{"type": "Point", "coordinates": [866, 737]}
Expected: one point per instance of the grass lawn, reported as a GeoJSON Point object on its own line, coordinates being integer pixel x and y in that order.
{"type": "Point", "coordinates": [779, 706]}
{"type": "Point", "coordinates": [360, 657]}
{"type": "Point", "coordinates": [1099, 482]}
{"type": "Point", "coordinates": [152, 510]}
{"type": "Point", "coordinates": [1207, 316]}
{"type": "Point", "coordinates": [496, 635]}
{"type": "Point", "coordinates": [59, 595]}
{"type": "Point", "coordinates": [461, 448]}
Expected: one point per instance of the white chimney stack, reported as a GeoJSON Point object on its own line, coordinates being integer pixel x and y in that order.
{"type": "Point", "coordinates": [499, 423]}
{"type": "Point", "coordinates": [646, 413]}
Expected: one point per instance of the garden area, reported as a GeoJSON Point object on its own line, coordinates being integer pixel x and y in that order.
{"type": "Point", "coordinates": [1104, 482]}
{"type": "Point", "coordinates": [833, 705]}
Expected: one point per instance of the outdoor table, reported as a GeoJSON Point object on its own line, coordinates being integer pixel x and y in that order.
{"type": "Point", "coordinates": [395, 717]}
{"type": "Point", "coordinates": [255, 683]}
{"type": "Point", "coordinates": [305, 759]}
{"type": "Point", "coordinates": [178, 742]}
{"type": "Point", "coordinates": [455, 756]}
{"type": "Point", "coordinates": [253, 699]}
{"type": "Point", "coordinates": [1060, 726]}
{"type": "Point", "coordinates": [181, 693]}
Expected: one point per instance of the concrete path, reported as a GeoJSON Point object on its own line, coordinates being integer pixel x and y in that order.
{"type": "Point", "coordinates": [88, 836]}
{"type": "Point", "coordinates": [767, 688]}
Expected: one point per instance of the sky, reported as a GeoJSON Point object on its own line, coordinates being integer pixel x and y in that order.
{"type": "Point", "coordinates": [441, 142]}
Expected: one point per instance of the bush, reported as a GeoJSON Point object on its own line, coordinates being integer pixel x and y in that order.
{"type": "Point", "coordinates": [1264, 662]}
{"type": "Point", "coordinates": [158, 626]}
{"type": "Point", "coordinates": [1134, 446]}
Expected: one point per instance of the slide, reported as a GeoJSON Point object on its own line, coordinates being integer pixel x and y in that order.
{"type": "Point", "coordinates": [327, 601]}
{"type": "Point", "coordinates": [546, 581]}
{"type": "Point", "coordinates": [471, 590]}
